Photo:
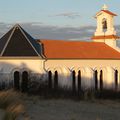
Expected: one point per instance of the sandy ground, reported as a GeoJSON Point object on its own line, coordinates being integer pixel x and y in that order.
{"type": "Point", "coordinates": [72, 110]}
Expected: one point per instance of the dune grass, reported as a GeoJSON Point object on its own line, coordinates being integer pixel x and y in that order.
{"type": "Point", "coordinates": [11, 103]}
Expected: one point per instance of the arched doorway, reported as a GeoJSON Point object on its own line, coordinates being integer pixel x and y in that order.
{"type": "Point", "coordinates": [116, 79]}
{"type": "Point", "coordinates": [73, 81]}
{"type": "Point", "coordinates": [56, 80]}
{"type": "Point", "coordinates": [16, 80]}
{"type": "Point", "coordinates": [79, 80]}
{"type": "Point", "coordinates": [101, 80]}
{"type": "Point", "coordinates": [96, 80]}
{"type": "Point", "coordinates": [24, 83]}
{"type": "Point", "coordinates": [50, 79]}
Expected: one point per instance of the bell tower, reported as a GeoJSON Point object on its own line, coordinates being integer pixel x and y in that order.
{"type": "Point", "coordinates": [105, 31]}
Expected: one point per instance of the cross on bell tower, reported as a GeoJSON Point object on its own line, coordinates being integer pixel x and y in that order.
{"type": "Point", "coordinates": [105, 31]}
{"type": "Point", "coordinates": [105, 7]}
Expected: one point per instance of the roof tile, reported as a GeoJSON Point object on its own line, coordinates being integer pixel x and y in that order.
{"type": "Point", "coordinates": [59, 49]}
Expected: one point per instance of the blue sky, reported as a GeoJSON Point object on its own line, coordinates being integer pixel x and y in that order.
{"type": "Point", "coordinates": [54, 12]}
{"type": "Point", "coordinates": [55, 19]}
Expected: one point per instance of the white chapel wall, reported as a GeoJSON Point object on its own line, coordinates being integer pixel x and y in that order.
{"type": "Point", "coordinates": [64, 69]}
{"type": "Point", "coordinates": [34, 67]}
{"type": "Point", "coordinates": [87, 68]}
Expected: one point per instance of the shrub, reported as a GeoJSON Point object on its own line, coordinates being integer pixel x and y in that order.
{"type": "Point", "coordinates": [11, 102]}
{"type": "Point", "coordinates": [13, 111]}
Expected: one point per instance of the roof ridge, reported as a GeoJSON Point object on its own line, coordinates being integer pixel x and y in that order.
{"type": "Point", "coordinates": [62, 40]}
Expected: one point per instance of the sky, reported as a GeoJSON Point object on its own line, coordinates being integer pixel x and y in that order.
{"type": "Point", "coordinates": [55, 19]}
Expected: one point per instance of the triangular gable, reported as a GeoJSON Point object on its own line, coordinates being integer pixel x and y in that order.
{"type": "Point", "coordinates": [17, 42]}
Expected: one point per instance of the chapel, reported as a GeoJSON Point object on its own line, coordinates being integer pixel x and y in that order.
{"type": "Point", "coordinates": [64, 63]}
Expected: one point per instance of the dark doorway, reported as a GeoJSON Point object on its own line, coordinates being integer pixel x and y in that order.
{"type": "Point", "coordinates": [16, 80]}
{"type": "Point", "coordinates": [56, 80]}
{"type": "Point", "coordinates": [24, 84]}
{"type": "Point", "coordinates": [116, 79]}
{"type": "Point", "coordinates": [79, 80]}
{"type": "Point", "coordinates": [74, 81]}
{"type": "Point", "coordinates": [101, 80]}
{"type": "Point", "coordinates": [96, 80]}
{"type": "Point", "coordinates": [50, 79]}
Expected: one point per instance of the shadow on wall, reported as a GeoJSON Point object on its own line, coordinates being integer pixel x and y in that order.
{"type": "Point", "coordinates": [18, 77]}
{"type": "Point", "coordinates": [85, 80]}
{"type": "Point", "coordinates": [23, 79]}
{"type": "Point", "coordinates": [52, 88]}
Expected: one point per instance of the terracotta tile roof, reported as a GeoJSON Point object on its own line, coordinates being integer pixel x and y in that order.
{"type": "Point", "coordinates": [59, 49]}
{"type": "Point", "coordinates": [106, 37]}
{"type": "Point", "coordinates": [111, 13]}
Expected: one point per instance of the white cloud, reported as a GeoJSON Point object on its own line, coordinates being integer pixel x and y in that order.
{"type": "Point", "coordinates": [42, 31]}
{"type": "Point", "coordinates": [71, 15]}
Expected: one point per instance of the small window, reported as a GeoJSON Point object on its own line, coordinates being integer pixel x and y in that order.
{"type": "Point", "coordinates": [24, 84]}
{"type": "Point", "coordinates": [79, 80]}
{"type": "Point", "coordinates": [50, 79]}
{"type": "Point", "coordinates": [96, 80]}
{"type": "Point", "coordinates": [16, 80]}
{"type": "Point", "coordinates": [73, 81]}
{"type": "Point", "coordinates": [101, 80]}
{"type": "Point", "coordinates": [56, 80]}
{"type": "Point", "coordinates": [116, 79]}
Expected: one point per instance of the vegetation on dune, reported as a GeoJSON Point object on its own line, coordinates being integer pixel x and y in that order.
{"type": "Point", "coordinates": [11, 102]}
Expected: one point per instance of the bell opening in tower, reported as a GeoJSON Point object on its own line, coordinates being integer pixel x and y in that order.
{"type": "Point", "coordinates": [104, 25]}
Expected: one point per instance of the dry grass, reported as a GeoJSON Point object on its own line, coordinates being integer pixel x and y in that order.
{"type": "Point", "coordinates": [11, 102]}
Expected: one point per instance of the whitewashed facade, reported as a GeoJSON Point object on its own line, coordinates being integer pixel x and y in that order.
{"type": "Point", "coordinates": [92, 73]}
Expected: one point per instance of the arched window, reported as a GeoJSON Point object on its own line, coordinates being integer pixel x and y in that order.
{"type": "Point", "coordinates": [96, 80]}
{"type": "Point", "coordinates": [104, 24]}
{"type": "Point", "coordinates": [16, 80]}
{"type": "Point", "coordinates": [3, 86]}
{"type": "Point", "coordinates": [24, 83]}
{"type": "Point", "coordinates": [73, 81]}
{"type": "Point", "coordinates": [56, 80]}
{"type": "Point", "coordinates": [116, 79]}
{"type": "Point", "coordinates": [79, 80]}
{"type": "Point", "coordinates": [50, 79]}
{"type": "Point", "coordinates": [101, 80]}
